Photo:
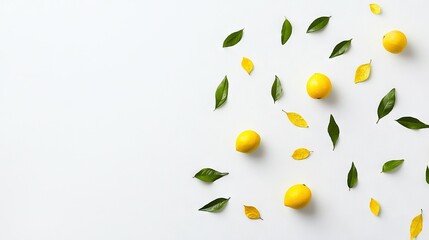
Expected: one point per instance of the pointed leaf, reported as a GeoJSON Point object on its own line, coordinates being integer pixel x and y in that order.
{"type": "Point", "coordinates": [252, 212]}
{"type": "Point", "coordinates": [221, 93]}
{"type": "Point", "coordinates": [216, 205]}
{"type": "Point", "coordinates": [247, 65]}
{"type": "Point", "coordinates": [233, 38]}
{"type": "Point", "coordinates": [352, 177]}
{"type": "Point", "coordinates": [209, 175]}
{"type": "Point", "coordinates": [374, 207]}
{"type": "Point", "coordinates": [276, 89]}
{"type": "Point", "coordinates": [391, 165]}
{"type": "Point", "coordinates": [296, 119]}
{"type": "Point", "coordinates": [286, 31]}
{"type": "Point", "coordinates": [301, 153]}
{"type": "Point", "coordinates": [416, 225]}
{"type": "Point", "coordinates": [318, 24]}
{"type": "Point", "coordinates": [363, 72]}
{"type": "Point", "coordinates": [333, 131]}
{"type": "Point", "coordinates": [427, 174]}
{"type": "Point", "coordinates": [386, 104]}
{"type": "Point", "coordinates": [412, 123]}
{"type": "Point", "coordinates": [375, 8]}
{"type": "Point", "coordinates": [341, 48]}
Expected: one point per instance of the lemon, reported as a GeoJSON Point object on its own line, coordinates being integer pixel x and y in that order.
{"type": "Point", "coordinates": [395, 41]}
{"type": "Point", "coordinates": [319, 86]}
{"type": "Point", "coordinates": [247, 141]}
{"type": "Point", "coordinates": [297, 196]}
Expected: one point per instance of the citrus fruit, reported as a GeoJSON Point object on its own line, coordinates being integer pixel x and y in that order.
{"type": "Point", "coordinates": [297, 196]}
{"type": "Point", "coordinates": [394, 41]}
{"type": "Point", "coordinates": [247, 141]}
{"type": "Point", "coordinates": [319, 86]}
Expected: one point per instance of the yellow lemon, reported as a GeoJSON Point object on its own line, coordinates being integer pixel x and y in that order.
{"type": "Point", "coordinates": [297, 196]}
{"type": "Point", "coordinates": [395, 41]}
{"type": "Point", "coordinates": [319, 86]}
{"type": "Point", "coordinates": [247, 141]}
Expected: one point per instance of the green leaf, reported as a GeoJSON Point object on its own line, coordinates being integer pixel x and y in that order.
{"type": "Point", "coordinates": [427, 174]}
{"type": "Point", "coordinates": [386, 104]}
{"type": "Point", "coordinates": [216, 205]}
{"type": "Point", "coordinates": [341, 48]}
{"type": "Point", "coordinates": [276, 89]}
{"type": "Point", "coordinates": [352, 177]}
{"type": "Point", "coordinates": [233, 38]}
{"type": "Point", "coordinates": [318, 24]}
{"type": "Point", "coordinates": [391, 165]}
{"type": "Point", "coordinates": [209, 175]}
{"type": "Point", "coordinates": [412, 123]}
{"type": "Point", "coordinates": [333, 130]}
{"type": "Point", "coordinates": [221, 92]}
{"type": "Point", "coordinates": [286, 31]}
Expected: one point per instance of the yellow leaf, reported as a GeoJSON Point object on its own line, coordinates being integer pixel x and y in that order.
{"type": "Point", "coordinates": [296, 119]}
{"type": "Point", "coordinates": [251, 212]}
{"type": "Point", "coordinates": [416, 225]}
{"type": "Point", "coordinates": [375, 8]}
{"type": "Point", "coordinates": [374, 206]}
{"type": "Point", "coordinates": [363, 72]}
{"type": "Point", "coordinates": [247, 64]}
{"type": "Point", "coordinates": [300, 154]}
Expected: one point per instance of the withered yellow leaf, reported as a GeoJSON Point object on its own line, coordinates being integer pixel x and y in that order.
{"type": "Point", "coordinates": [252, 212]}
{"type": "Point", "coordinates": [416, 225]}
{"type": "Point", "coordinates": [247, 64]}
{"type": "Point", "coordinates": [363, 72]}
{"type": "Point", "coordinates": [296, 119]}
{"type": "Point", "coordinates": [301, 153]}
{"type": "Point", "coordinates": [375, 8]}
{"type": "Point", "coordinates": [374, 206]}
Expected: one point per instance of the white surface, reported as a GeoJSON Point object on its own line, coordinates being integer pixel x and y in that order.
{"type": "Point", "coordinates": [106, 112]}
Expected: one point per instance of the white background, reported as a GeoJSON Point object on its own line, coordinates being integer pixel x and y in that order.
{"type": "Point", "coordinates": [106, 113]}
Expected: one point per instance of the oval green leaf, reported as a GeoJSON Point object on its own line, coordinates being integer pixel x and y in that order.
{"type": "Point", "coordinates": [276, 89]}
{"type": "Point", "coordinates": [427, 174]}
{"type": "Point", "coordinates": [216, 205]}
{"type": "Point", "coordinates": [391, 165]}
{"type": "Point", "coordinates": [341, 48]}
{"type": "Point", "coordinates": [286, 31]}
{"type": "Point", "coordinates": [412, 123]}
{"type": "Point", "coordinates": [333, 130]}
{"type": "Point", "coordinates": [352, 177]}
{"type": "Point", "coordinates": [386, 104]}
{"type": "Point", "coordinates": [318, 24]}
{"type": "Point", "coordinates": [233, 38]}
{"type": "Point", "coordinates": [221, 93]}
{"type": "Point", "coordinates": [209, 175]}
